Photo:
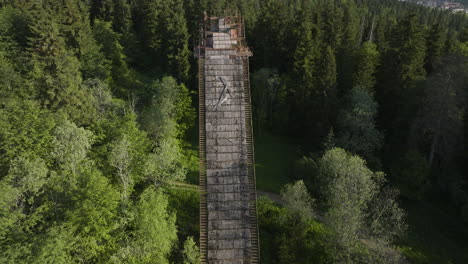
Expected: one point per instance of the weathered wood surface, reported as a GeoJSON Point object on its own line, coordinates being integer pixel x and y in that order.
{"type": "Point", "coordinates": [231, 228]}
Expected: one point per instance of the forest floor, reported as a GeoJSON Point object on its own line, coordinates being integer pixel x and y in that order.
{"type": "Point", "coordinates": [274, 161]}
{"type": "Point", "coordinates": [435, 234]}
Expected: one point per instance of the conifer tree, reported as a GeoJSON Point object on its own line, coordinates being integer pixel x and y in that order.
{"type": "Point", "coordinates": [435, 45]}
{"type": "Point", "coordinates": [77, 32]}
{"type": "Point", "coordinates": [114, 53]}
{"type": "Point", "coordinates": [176, 35]}
{"type": "Point", "coordinates": [409, 51]}
{"type": "Point", "coordinates": [56, 71]}
{"type": "Point", "coordinates": [325, 92]}
{"type": "Point", "coordinates": [304, 69]}
{"type": "Point", "coordinates": [366, 66]}
{"type": "Point", "coordinates": [330, 20]}
{"type": "Point", "coordinates": [345, 52]}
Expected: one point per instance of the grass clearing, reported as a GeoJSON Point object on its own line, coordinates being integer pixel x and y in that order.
{"type": "Point", "coordinates": [274, 160]}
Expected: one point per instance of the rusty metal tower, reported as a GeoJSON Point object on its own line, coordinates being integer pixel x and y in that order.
{"type": "Point", "coordinates": [228, 212]}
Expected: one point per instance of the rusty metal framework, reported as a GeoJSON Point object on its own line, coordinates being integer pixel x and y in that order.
{"type": "Point", "coordinates": [234, 21]}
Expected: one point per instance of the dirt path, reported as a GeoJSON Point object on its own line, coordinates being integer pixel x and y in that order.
{"type": "Point", "coordinates": [273, 196]}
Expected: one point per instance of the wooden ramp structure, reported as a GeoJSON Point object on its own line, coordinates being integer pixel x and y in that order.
{"type": "Point", "coordinates": [228, 213]}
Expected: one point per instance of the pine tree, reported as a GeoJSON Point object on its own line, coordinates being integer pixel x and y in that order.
{"type": "Point", "coordinates": [77, 32]}
{"type": "Point", "coordinates": [122, 21]}
{"type": "Point", "coordinates": [409, 49]}
{"type": "Point", "coordinates": [271, 35]}
{"type": "Point", "coordinates": [175, 46]}
{"type": "Point", "coordinates": [435, 45]}
{"type": "Point", "coordinates": [367, 59]}
{"type": "Point", "coordinates": [346, 51]}
{"type": "Point", "coordinates": [304, 69]}
{"type": "Point", "coordinates": [148, 14]}
{"type": "Point", "coordinates": [56, 72]}
{"type": "Point", "coordinates": [325, 91]}
{"type": "Point", "coordinates": [114, 53]}
{"type": "Point", "coordinates": [330, 20]}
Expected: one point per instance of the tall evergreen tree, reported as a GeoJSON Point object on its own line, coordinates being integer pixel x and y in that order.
{"type": "Point", "coordinates": [325, 94]}
{"type": "Point", "coordinates": [367, 59]}
{"type": "Point", "coordinates": [409, 49]}
{"type": "Point", "coordinates": [435, 43]}
{"type": "Point", "coordinates": [176, 35]}
{"type": "Point", "coordinates": [56, 72]}
{"type": "Point", "coordinates": [76, 29]}
{"type": "Point", "coordinates": [304, 69]}
{"type": "Point", "coordinates": [109, 40]}
{"type": "Point", "coordinates": [345, 53]}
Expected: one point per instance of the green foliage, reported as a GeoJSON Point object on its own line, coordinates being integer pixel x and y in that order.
{"type": "Point", "coordinates": [325, 94]}
{"type": "Point", "coordinates": [14, 32]}
{"type": "Point", "coordinates": [19, 191]}
{"type": "Point", "coordinates": [25, 129]}
{"type": "Point", "coordinates": [305, 56]}
{"type": "Point", "coordinates": [165, 163]}
{"type": "Point", "coordinates": [271, 34]}
{"type": "Point", "coordinates": [367, 62]}
{"type": "Point", "coordinates": [112, 130]}
{"type": "Point", "coordinates": [54, 247]}
{"type": "Point", "coordinates": [11, 81]}
{"type": "Point", "coordinates": [120, 159]}
{"type": "Point", "coordinates": [176, 47]}
{"type": "Point", "coordinates": [357, 206]}
{"type": "Point", "coordinates": [440, 119]}
{"type": "Point", "coordinates": [269, 98]}
{"type": "Point", "coordinates": [27, 176]}
{"type": "Point", "coordinates": [113, 52]}
{"type": "Point", "coordinates": [356, 127]}
{"type": "Point", "coordinates": [435, 45]}
{"type": "Point", "coordinates": [116, 12]}
{"type": "Point", "coordinates": [191, 252]}
{"type": "Point", "coordinates": [70, 146]}
{"type": "Point", "coordinates": [186, 203]}
{"type": "Point", "coordinates": [169, 113]}
{"type": "Point", "coordinates": [56, 71]}
{"type": "Point", "coordinates": [164, 32]}
{"type": "Point", "coordinates": [76, 29]}
{"type": "Point", "coordinates": [297, 200]}
{"type": "Point", "coordinates": [155, 231]}
{"type": "Point", "coordinates": [411, 173]}
{"type": "Point", "coordinates": [410, 50]}
{"type": "Point", "coordinates": [348, 186]}
{"type": "Point", "coordinates": [92, 216]}
{"type": "Point", "coordinates": [285, 238]}
{"type": "Point", "coordinates": [69, 195]}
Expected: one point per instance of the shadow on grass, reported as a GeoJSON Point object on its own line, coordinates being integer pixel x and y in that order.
{"type": "Point", "coordinates": [435, 234]}
{"type": "Point", "coordinates": [274, 160]}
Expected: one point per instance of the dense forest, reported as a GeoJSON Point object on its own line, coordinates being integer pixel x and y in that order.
{"type": "Point", "coordinates": [98, 148]}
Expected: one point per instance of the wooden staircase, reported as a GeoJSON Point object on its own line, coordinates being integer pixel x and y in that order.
{"type": "Point", "coordinates": [254, 235]}
{"type": "Point", "coordinates": [202, 157]}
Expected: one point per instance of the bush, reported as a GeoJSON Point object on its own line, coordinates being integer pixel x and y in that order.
{"type": "Point", "coordinates": [286, 238]}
